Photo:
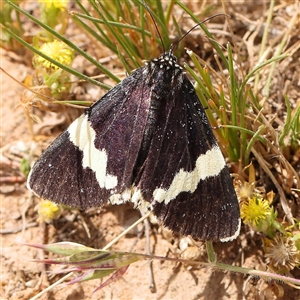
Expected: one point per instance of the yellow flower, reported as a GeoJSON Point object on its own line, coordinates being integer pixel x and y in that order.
{"type": "Point", "coordinates": [255, 212]}
{"type": "Point", "coordinates": [62, 4]}
{"type": "Point", "coordinates": [58, 51]}
{"type": "Point", "coordinates": [48, 211]}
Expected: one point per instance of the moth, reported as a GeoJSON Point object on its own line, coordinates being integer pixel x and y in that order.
{"type": "Point", "coordinates": [147, 141]}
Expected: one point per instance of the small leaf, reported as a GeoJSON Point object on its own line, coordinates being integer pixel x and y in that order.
{"type": "Point", "coordinates": [90, 275]}
{"type": "Point", "coordinates": [63, 248]}
{"type": "Point", "coordinates": [89, 256]}
{"type": "Point", "coordinates": [116, 276]}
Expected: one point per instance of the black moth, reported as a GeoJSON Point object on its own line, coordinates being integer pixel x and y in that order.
{"type": "Point", "coordinates": [147, 141]}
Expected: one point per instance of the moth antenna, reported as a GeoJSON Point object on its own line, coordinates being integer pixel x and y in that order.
{"type": "Point", "coordinates": [175, 44]}
{"type": "Point", "coordinates": [155, 24]}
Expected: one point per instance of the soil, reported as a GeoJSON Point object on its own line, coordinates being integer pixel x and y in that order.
{"type": "Point", "coordinates": [21, 278]}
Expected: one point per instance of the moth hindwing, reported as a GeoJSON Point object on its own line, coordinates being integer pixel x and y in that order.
{"type": "Point", "coordinates": [148, 141]}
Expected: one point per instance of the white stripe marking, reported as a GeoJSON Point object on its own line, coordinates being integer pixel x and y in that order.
{"type": "Point", "coordinates": [231, 238]}
{"type": "Point", "coordinates": [121, 198]}
{"type": "Point", "coordinates": [83, 136]}
{"type": "Point", "coordinates": [208, 165]}
{"type": "Point", "coordinates": [138, 200]}
{"type": "Point", "coordinates": [133, 195]}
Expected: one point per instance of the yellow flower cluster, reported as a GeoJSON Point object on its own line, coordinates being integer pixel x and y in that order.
{"type": "Point", "coordinates": [255, 211]}
{"type": "Point", "coordinates": [48, 211]}
{"type": "Point", "coordinates": [61, 4]}
{"type": "Point", "coordinates": [58, 51]}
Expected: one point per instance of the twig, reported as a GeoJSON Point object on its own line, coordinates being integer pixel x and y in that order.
{"type": "Point", "coordinates": [18, 228]}
{"type": "Point", "coordinates": [152, 285]}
